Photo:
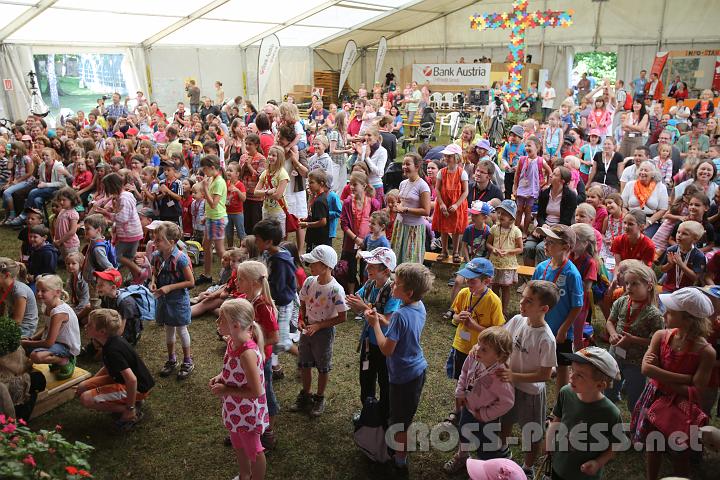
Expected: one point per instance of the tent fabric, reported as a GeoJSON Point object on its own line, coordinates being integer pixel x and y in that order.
{"type": "Point", "coordinates": [15, 63]}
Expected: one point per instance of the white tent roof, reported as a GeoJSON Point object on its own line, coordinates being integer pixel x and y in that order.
{"type": "Point", "coordinates": [195, 22]}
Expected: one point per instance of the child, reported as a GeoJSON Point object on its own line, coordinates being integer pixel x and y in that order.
{"type": "Point", "coordinates": [588, 152]}
{"type": "Point", "coordinates": [585, 213]}
{"type": "Point", "coordinates": [127, 230]}
{"type": "Point", "coordinates": [683, 263]}
{"type": "Point", "coordinates": [77, 287]}
{"type": "Point", "coordinates": [151, 186]}
{"type": "Point", "coordinates": [504, 244]}
{"type": "Point", "coordinates": [236, 195]}
{"type": "Point", "coordinates": [401, 346]}
{"type": "Point", "coordinates": [252, 164]}
{"type": "Point", "coordinates": [553, 137]}
{"type": "Point", "coordinates": [108, 288]}
{"type": "Point", "coordinates": [475, 237]}
{"type": "Point", "coordinates": [169, 194]}
{"type": "Point", "coordinates": [530, 363]}
{"type": "Point", "coordinates": [124, 382]}
{"type": "Point", "coordinates": [678, 360]}
{"type": "Point", "coordinates": [584, 257]}
{"type": "Point", "coordinates": [186, 203]}
{"type": "Point", "coordinates": [197, 211]}
{"type": "Point", "coordinates": [377, 238]}
{"type": "Point", "coordinates": [698, 205]}
{"type": "Point", "coordinates": [664, 164]}
{"type": "Point", "coordinates": [34, 217]}
{"type": "Point", "coordinates": [322, 303]}
{"type": "Point", "coordinates": [96, 253]}
{"type": "Point", "coordinates": [43, 256]}
{"type": "Point", "coordinates": [633, 320]}
{"type": "Point", "coordinates": [335, 207]}
{"type": "Point", "coordinates": [529, 181]}
{"type": "Point", "coordinates": [581, 406]}
{"type": "Point", "coordinates": [18, 300]}
{"type": "Point", "coordinates": [83, 177]}
{"type": "Point", "coordinates": [572, 163]}
{"type": "Point", "coordinates": [475, 309]}
{"type": "Point", "coordinates": [215, 195]}
{"type": "Point", "coordinates": [317, 222]}
{"type": "Point", "coordinates": [633, 243]}
{"type": "Point", "coordinates": [596, 199]}
{"type": "Point", "coordinates": [392, 198]}
{"type": "Point", "coordinates": [65, 235]}
{"type": "Point", "coordinates": [172, 279]}
{"type": "Point", "coordinates": [484, 397]}
{"type": "Point", "coordinates": [558, 269]}
{"type": "Point", "coordinates": [450, 215]}
{"type": "Point", "coordinates": [354, 220]}
{"type": "Point", "coordinates": [253, 283]}
{"type": "Point", "coordinates": [241, 386]}
{"type": "Point", "coordinates": [212, 298]}
{"type": "Point", "coordinates": [59, 343]}
{"type": "Point", "coordinates": [612, 226]}
{"type": "Point", "coordinates": [271, 187]}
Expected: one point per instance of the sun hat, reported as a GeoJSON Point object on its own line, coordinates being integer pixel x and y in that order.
{"type": "Point", "coordinates": [517, 130]}
{"type": "Point", "coordinates": [485, 145]}
{"type": "Point", "coordinates": [452, 149]}
{"type": "Point", "coordinates": [380, 256]}
{"type": "Point", "coordinates": [323, 254]}
{"type": "Point", "coordinates": [688, 300]}
{"type": "Point", "coordinates": [111, 275]}
{"type": "Point", "coordinates": [197, 143]}
{"type": "Point", "coordinates": [495, 469]}
{"type": "Point", "coordinates": [479, 207]}
{"type": "Point", "coordinates": [598, 358]}
{"type": "Point", "coordinates": [509, 206]}
{"type": "Point", "coordinates": [477, 267]}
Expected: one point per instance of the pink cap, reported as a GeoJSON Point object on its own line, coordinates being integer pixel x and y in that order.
{"type": "Point", "coordinates": [595, 132]}
{"type": "Point", "coordinates": [452, 149]}
{"type": "Point", "coordinates": [496, 469]}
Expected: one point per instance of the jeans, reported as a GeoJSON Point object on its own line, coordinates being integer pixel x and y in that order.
{"type": "Point", "coordinates": [632, 380]}
{"type": "Point", "coordinates": [272, 403]}
{"type": "Point", "coordinates": [236, 223]}
{"type": "Point", "coordinates": [39, 196]}
{"type": "Point", "coordinates": [486, 441]}
{"type": "Point", "coordinates": [7, 194]}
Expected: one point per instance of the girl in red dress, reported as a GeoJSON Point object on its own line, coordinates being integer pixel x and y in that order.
{"type": "Point", "coordinates": [450, 216]}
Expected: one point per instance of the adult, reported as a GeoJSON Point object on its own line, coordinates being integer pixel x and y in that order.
{"type": "Point", "coordinates": [674, 86]}
{"type": "Point", "coordinates": [208, 109]}
{"type": "Point", "coordinates": [318, 114]}
{"type": "Point", "coordinates": [355, 123]}
{"type": "Point", "coordinates": [696, 136]}
{"type": "Point", "coordinates": [665, 137]}
{"type": "Point", "coordinates": [412, 102]}
{"type": "Point", "coordinates": [583, 86]}
{"type": "Point", "coordinates": [654, 88]}
{"type": "Point", "coordinates": [607, 166]}
{"type": "Point", "coordinates": [680, 92]}
{"type": "Point", "coordinates": [556, 205]}
{"type": "Point", "coordinates": [705, 108]}
{"type": "Point", "coordinates": [51, 178]}
{"type": "Point", "coordinates": [548, 100]}
{"type": "Point", "coordinates": [19, 383]}
{"type": "Point", "coordinates": [649, 194]}
{"type": "Point", "coordinates": [114, 110]}
{"type": "Point", "coordinates": [339, 150]}
{"type": "Point", "coordinates": [635, 129]}
{"type": "Point", "coordinates": [235, 145]}
{"type": "Point", "coordinates": [219, 94]}
{"type": "Point", "coordinates": [632, 164]}
{"type": "Point", "coordinates": [173, 142]}
{"type": "Point", "coordinates": [408, 237]}
{"type": "Point", "coordinates": [481, 187]}
{"type": "Point", "coordinates": [264, 126]}
{"type": "Point", "coordinates": [374, 155]}
{"type": "Point", "coordinates": [398, 129]}
{"type": "Point", "coordinates": [193, 93]}
{"type": "Point", "coordinates": [250, 112]}
{"type": "Point", "coordinates": [389, 78]}
{"type": "Point", "coordinates": [703, 176]}
{"type": "Point", "coordinates": [389, 141]}
{"type": "Point", "coordinates": [639, 86]}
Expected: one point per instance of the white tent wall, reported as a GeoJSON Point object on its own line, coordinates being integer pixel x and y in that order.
{"type": "Point", "coordinates": [15, 62]}
{"type": "Point", "coordinates": [294, 66]}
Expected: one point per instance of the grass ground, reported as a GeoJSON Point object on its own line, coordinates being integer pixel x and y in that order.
{"type": "Point", "coordinates": [182, 435]}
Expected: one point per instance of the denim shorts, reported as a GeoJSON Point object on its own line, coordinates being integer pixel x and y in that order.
{"type": "Point", "coordinates": [57, 349]}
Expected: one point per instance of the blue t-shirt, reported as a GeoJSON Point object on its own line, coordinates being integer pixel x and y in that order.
{"type": "Point", "coordinates": [408, 360]}
{"type": "Point", "coordinates": [370, 244]}
{"type": "Point", "coordinates": [335, 207]}
{"type": "Point", "coordinates": [570, 284]}
{"type": "Point", "coordinates": [390, 306]}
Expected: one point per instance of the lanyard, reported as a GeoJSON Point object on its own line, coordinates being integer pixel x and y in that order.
{"type": "Point", "coordinates": [557, 274]}
{"type": "Point", "coordinates": [470, 310]}
{"type": "Point", "coordinates": [629, 319]}
{"type": "Point", "coordinates": [633, 253]}
{"type": "Point", "coordinates": [478, 374]}
{"type": "Point", "coordinates": [678, 271]}
{"type": "Point", "coordinates": [7, 292]}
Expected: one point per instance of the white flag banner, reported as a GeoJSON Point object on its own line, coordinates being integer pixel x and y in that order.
{"type": "Point", "coordinates": [380, 59]}
{"type": "Point", "coordinates": [347, 62]}
{"type": "Point", "coordinates": [267, 56]}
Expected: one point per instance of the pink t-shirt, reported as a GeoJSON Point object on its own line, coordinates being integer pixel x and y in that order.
{"type": "Point", "coordinates": [62, 225]}
{"type": "Point", "coordinates": [127, 220]}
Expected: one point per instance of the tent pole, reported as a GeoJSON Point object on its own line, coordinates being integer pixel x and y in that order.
{"type": "Point", "coordinates": [661, 30]}
{"type": "Point", "coordinates": [542, 39]}
{"type": "Point", "coordinates": [596, 37]}
{"type": "Point", "coordinates": [363, 65]}
{"type": "Point", "coordinates": [317, 52]}
{"type": "Point", "coordinates": [445, 56]}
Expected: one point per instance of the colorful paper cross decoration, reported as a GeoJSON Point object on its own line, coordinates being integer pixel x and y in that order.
{"type": "Point", "coordinates": [518, 21]}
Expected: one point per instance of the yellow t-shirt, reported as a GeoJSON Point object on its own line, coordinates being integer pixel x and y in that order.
{"type": "Point", "coordinates": [487, 312]}
{"type": "Point", "coordinates": [504, 239]}
{"type": "Point", "coordinates": [269, 205]}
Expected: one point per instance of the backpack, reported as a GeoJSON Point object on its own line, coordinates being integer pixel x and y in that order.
{"type": "Point", "coordinates": [602, 284]}
{"type": "Point", "coordinates": [194, 251]}
{"type": "Point", "coordinates": [144, 299]}
{"type": "Point", "coordinates": [369, 432]}
{"type": "Point", "coordinates": [110, 252]}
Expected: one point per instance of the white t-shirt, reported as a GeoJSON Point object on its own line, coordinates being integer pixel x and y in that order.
{"type": "Point", "coordinates": [548, 102]}
{"type": "Point", "coordinates": [410, 197]}
{"type": "Point", "coordinates": [533, 348]}
{"type": "Point", "coordinates": [322, 302]}
{"type": "Point", "coordinates": [69, 334]}
{"type": "Point", "coordinates": [463, 176]}
{"type": "Point", "coordinates": [629, 174]}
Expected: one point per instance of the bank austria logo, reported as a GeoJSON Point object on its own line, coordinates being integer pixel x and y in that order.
{"type": "Point", "coordinates": [428, 71]}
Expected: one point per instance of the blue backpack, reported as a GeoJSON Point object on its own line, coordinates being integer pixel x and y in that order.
{"type": "Point", "coordinates": [144, 299]}
{"type": "Point", "coordinates": [110, 252]}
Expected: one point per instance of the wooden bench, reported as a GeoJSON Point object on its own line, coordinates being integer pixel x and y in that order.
{"type": "Point", "coordinates": [525, 271]}
{"type": "Point", "coordinates": [56, 391]}
{"type": "Point", "coordinates": [433, 257]}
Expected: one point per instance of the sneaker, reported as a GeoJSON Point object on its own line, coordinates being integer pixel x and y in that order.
{"type": "Point", "coordinates": [185, 370]}
{"type": "Point", "coordinates": [169, 368]}
{"type": "Point", "coordinates": [268, 439]}
{"type": "Point", "coordinates": [15, 222]}
{"type": "Point", "coordinates": [303, 402]}
{"type": "Point", "coordinates": [277, 373]}
{"type": "Point", "coordinates": [66, 371]}
{"type": "Point", "coordinates": [318, 406]}
{"type": "Point", "coordinates": [455, 465]}
{"type": "Point", "coordinates": [203, 279]}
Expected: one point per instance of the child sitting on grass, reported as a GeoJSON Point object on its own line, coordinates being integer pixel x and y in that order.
{"type": "Point", "coordinates": [124, 382]}
{"type": "Point", "coordinates": [483, 397]}
{"type": "Point", "coordinates": [77, 287]}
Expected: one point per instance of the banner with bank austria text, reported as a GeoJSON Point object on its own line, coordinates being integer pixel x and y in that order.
{"type": "Point", "coordinates": [348, 60]}
{"type": "Point", "coordinates": [380, 58]}
{"type": "Point", "coordinates": [469, 74]}
{"type": "Point", "coordinates": [267, 56]}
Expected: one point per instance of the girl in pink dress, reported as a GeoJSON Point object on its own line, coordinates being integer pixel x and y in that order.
{"type": "Point", "coordinates": [241, 386]}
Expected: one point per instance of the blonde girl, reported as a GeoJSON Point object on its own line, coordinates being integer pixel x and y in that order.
{"type": "Point", "coordinates": [504, 244]}
{"type": "Point", "coordinates": [572, 163]}
{"type": "Point", "coordinates": [240, 385]}
{"type": "Point", "coordinates": [677, 213]}
{"type": "Point", "coordinates": [236, 195]}
{"type": "Point", "coordinates": [355, 221]}
{"type": "Point", "coordinates": [374, 155]}
{"type": "Point", "coordinates": [664, 164]}
{"type": "Point", "coordinates": [151, 185]}
{"type": "Point", "coordinates": [17, 300]}
{"type": "Point", "coordinates": [66, 223]}
{"type": "Point", "coordinates": [612, 226]}
{"type": "Point", "coordinates": [59, 343]}
{"type": "Point", "coordinates": [584, 256]}
{"type": "Point", "coordinates": [391, 199]}
{"type": "Point", "coordinates": [528, 182]}
{"type": "Point", "coordinates": [252, 281]}
{"type": "Point", "coordinates": [271, 186]}
{"type": "Point", "coordinates": [77, 288]}
{"type": "Point", "coordinates": [468, 138]}
{"type": "Point", "coordinates": [289, 115]}
{"type": "Point", "coordinates": [634, 319]}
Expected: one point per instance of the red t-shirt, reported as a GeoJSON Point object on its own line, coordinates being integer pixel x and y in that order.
{"type": "Point", "coordinates": [82, 180]}
{"type": "Point", "coordinates": [643, 250]}
{"type": "Point", "coordinates": [265, 317]}
{"type": "Point", "coordinates": [267, 140]}
{"type": "Point", "coordinates": [234, 204]}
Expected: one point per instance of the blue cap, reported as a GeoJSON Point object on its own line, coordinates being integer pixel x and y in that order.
{"type": "Point", "coordinates": [477, 267]}
{"type": "Point", "coordinates": [479, 207]}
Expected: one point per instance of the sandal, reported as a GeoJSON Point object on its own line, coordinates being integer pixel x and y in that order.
{"type": "Point", "coordinates": [455, 465]}
{"type": "Point", "coordinates": [457, 258]}
{"type": "Point", "coordinates": [126, 426]}
{"type": "Point", "coordinates": [442, 257]}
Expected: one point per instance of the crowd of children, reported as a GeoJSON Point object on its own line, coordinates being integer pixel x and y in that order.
{"type": "Point", "coordinates": [146, 208]}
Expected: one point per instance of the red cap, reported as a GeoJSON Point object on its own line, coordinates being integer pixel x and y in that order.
{"type": "Point", "coordinates": [133, 131]}
{"type": "Point", "coordinates": [119, 135]}
{"type": "Point", "coordinates": [111, 275]}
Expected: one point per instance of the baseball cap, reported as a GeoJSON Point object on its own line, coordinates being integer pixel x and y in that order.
{"type": "Point", "coordinates": [132, 131]}
{"type": "Point", "coordinates": [111, 275]}
{"type": "Point", "coordinates": [598, 358]}
{"type": "Point", "coordinates": [477, 267]}
{"type": "Point", "coordinates": [690, 300]}
{"type": "Point", "coordinates": [380, 256]}
{"type": "Point", "coordinates": [323, 254]}
{"type": "Point", "coordinates": [26, 138]}
{"type": "Point", "coordinates": [197, 143]}
{"type": "Point", "coordinates": [452, 149]}
{"type": "Point", "coordinates": [560, 232]}
{"type": "Point", "coordinates": [154, 224]}
{"type": "Point", "coordinates": [119, 135]}
{"type": "Point", "coordinates": [517, 130]}
{"type": "Point", "coordinates": [595, 132]}
{"type": "Point", "coordinates": [495, 469]}
{"type": "Point", "coordinates": [479, 207]}
{"type": "Point", "coordinates": [711, 290]}
{"type": "Point", "coordinates": [509, 206]}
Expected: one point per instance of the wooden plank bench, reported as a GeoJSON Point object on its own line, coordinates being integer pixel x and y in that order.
{"type": "Point", "coordinates": [56, 391]}
{"type": "Point", "coordinates": [525, 271]}
{"type": "Point", "coordinates": [433, 257]}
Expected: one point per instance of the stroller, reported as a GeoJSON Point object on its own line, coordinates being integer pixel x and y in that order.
{"type": "Point", "coordinates": [426, 130]}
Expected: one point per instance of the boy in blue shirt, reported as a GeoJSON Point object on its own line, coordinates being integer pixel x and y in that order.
{"type": "Point", "coordinates": [514, 149]}
{"type": "Point", "coordinates": [406, 362]}
{"type": "Point", "coordinates": [558, 269]}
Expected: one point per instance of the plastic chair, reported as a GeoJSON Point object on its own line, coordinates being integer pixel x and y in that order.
{"type": "Point", "coordinates": [448, 121]}
{"type": "Point", "coordinates": [449, 100]}
{"type": "Point", "coordinates": [436, 99]}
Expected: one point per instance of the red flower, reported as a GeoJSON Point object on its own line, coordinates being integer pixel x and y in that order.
{"type": "Point", "coordinates": [9, 428]}
{"type": "Point", "coordinates": [29, 460]}
{"type": "Point", "coordinates": [84, 473]}
{"type": "Point", "coordinates": [58, 428]}
{"type": "Point", "coordinates": [71, 470]}
{"type": "Point", "coordinates": [3, 419]}
{"type": "Point", "coordinates": [22, 422]}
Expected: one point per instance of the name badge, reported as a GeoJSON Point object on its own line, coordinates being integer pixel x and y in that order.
{"type": "Point", "coordinates": [621, 352]}
{"type": "Point", "coordinates": [366, 365]}
{"type": "Point", "coordinates": [171, 203]}
{"type": "Point", "coordinates": [465, 335]}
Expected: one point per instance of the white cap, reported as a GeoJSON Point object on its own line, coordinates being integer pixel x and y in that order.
{"type": "Point", "coordinates": [598, 358]}
{"type": "Point", "coordinates": [381, 256]}
{"type": "Point", "coordinates": [154, 224]}
{"type": "Point", "coordinates": [322, 253]}
{"type": "Point", "coordinates": [690, 300]}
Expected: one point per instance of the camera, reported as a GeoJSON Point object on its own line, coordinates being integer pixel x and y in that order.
{"type": "Point", "coordinates": [498, 100]}
{"type": "Point", "coordinates": [105, 97]}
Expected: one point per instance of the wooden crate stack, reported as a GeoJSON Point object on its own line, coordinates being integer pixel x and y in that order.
{"type": "Point", "coordinates": [301, 93]}
{"type": "Point", "coordinates": [328, 80]}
